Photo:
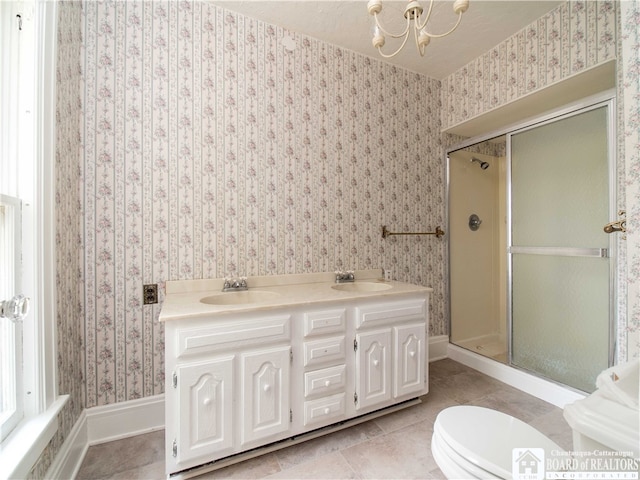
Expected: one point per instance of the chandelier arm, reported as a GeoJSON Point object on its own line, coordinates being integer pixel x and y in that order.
{"type": "Point", "coordinates": [421, 48]}
{"type": "Point", "coordinates": [420, 26]}
{"type": "Point", "coordinates": [392, 35]}
{"type": "Point", "coordinates": [385, 55]}
{"type": "Point", "coordinates": [433, 35]}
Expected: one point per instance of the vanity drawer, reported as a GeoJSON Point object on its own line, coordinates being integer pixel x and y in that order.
{"type": "Point", "coordinates": [226, 336]}
{"type": "Point", "coordinates": [323, 351]}
{"type": "Point", "coordinates": [385, 313]}
{"type": "Point", "coordinates": [325, 409]}
{"type": "Point", "coordinates": [324, 321]}
{"type": "Point", "coordinates": [327, 380]}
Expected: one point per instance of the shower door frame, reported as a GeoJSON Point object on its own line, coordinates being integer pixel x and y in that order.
{"type": "Point", "coordinates": [612, 251]}
{"type": "Point", "coordinates": [616, 309]}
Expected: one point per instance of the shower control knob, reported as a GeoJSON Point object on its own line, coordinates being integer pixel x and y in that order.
{"type": "Point", "coordinates": [474, 222]}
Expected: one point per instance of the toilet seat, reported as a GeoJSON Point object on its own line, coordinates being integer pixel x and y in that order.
{"type": "Point", "coordinates": [479, 441]}
{"type": "Point", "coordinates": [452, 464]}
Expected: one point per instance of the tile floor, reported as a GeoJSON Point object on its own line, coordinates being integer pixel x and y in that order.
{"type": "Point", "coordinates": [395, 446]}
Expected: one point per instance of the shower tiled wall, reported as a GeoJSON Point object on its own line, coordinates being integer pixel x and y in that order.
{"type": "Point", "coordinates": [211, 149]}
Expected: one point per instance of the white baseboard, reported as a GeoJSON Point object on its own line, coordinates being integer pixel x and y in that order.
{"type": "Point", "coordinates": [69, 458]}
{"type": "Point", "coordinates": [438, 347]}
{"type": "Point", "coordinates": [125, 419]}
{"type": "Point", "coordinates": [103, 424]}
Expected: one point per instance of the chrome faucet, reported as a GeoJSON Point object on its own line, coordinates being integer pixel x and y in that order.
{"type": "Point", "coordinates": [344, 277]}
{"type": "Point", "coordinates": [235, 284]}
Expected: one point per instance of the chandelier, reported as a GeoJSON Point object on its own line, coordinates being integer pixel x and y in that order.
{"type": "Point", "coordinates": [412, 13]}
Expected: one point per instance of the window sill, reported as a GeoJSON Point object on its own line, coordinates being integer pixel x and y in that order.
{"type": "Point", "coordinates": [20, 451]}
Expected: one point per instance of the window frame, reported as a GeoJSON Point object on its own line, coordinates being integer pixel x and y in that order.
{"type": "Point", "coordinates": [22, 448]}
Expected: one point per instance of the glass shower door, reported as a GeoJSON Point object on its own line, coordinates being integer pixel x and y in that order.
{"type": "Point", "coordinates": [559, 254]}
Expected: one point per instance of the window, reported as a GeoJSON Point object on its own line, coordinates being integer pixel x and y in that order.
{"type": "Point", "coordinates": [11, 404]}
{"type": "Point", "coordinates": [29, 403]}
{"type": "Point", "coordinates": [16, 97]}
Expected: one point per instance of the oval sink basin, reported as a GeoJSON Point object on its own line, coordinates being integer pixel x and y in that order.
{"type": "Point", "coordinates": [361, 287]}
{"type": "Point", "coordinates": [239, 298]}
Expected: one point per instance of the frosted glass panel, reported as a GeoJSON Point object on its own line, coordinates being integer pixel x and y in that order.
{"type": "Point", "coordinates": [560, 198]}
{"type": "Point", "coordinates": [560, 183]}
{"type": "Point", "coordinates": [560, 317]}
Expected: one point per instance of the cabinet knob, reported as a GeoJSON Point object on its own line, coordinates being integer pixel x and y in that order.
{"type": "Point", "coordinates": [376, 362]}
{"type": "Point", "coordinates": [327, 411]}
{"type": "Point", "coordinates": [267, 387]}
{"type": "Point", "coordinates": [412, 354]}
{"type": "Point", "coordinates": [327, 383]}
{"type": "Point", "coordinates": [206, 401]}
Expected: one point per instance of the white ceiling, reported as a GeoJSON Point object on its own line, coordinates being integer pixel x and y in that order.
{"type": "Point", "coordinates": [346, 23]}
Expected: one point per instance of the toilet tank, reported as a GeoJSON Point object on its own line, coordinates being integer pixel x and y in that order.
{"type": "Point", "coordinates": [608, 419]}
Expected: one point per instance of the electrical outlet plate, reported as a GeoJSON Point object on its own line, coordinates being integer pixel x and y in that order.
{"type": "Point", "coordinates": [150, 293]}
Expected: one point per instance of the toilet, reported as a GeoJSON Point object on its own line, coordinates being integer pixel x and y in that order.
{"type": "Point", "coordinates": [477, 442]}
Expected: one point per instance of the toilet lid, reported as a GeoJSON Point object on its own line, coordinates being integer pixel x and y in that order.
{"type": "Point", "coordinates": [486, 437]}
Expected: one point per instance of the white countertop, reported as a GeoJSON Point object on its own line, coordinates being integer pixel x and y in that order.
{"type": "Point", "coordinates": [182, 298]}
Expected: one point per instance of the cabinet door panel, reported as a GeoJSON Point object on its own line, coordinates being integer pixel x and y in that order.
{"type": "Point", "coordinates": [373, 368]}
{"type": "Point", "coordinates": [205, 399]}
{"type": "Point", "coordinates": [265, 393]}
{"type": "Point", "coordinates": [410, 361]}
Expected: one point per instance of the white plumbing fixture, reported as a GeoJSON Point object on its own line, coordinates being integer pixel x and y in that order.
{"type": "Point", "coordinates": [477, 442]}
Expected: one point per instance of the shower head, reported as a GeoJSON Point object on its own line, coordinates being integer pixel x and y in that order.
{"type": "Point", "coordinates": [483, 165]}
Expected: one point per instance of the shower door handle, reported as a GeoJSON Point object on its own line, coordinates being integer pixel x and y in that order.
{"type": "Point", "coordinates": [618, 225]}
{"type": "Point", "coordinates": [561, 251]}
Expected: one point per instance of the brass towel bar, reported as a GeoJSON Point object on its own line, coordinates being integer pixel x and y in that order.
{"type": "Point", "coordinates": [386, 233]}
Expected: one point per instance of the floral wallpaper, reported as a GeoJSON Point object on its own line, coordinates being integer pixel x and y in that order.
{"type": "Point", "coordinates": [629, 128]}
{"type": "Point", "coordinates": [211, 149]}
{"type": "Point", "coordinates": [207, 148]}
{"type": "Point", "coordinates": [571, 38]}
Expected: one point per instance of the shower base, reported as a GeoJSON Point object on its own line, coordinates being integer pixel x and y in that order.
{"type": "Point", "coordinates": [492, 346]}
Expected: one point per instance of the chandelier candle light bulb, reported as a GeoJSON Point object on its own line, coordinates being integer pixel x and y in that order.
{"type": "Point", "coordinates": [413, 13]}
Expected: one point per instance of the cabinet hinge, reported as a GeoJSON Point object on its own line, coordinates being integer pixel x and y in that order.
{"type": "Point", "coordinates": [175, 380]}
{"type": "Point", "coordinates": [355, 398]}
{"type": "Point", "coordinates": [290, 416]}
{"type": "Point", "coordinates": [291, 355]}
{"type": "Point", "coordinates": [355, 345]}
{"type": "Point", "coordinates": [175, 448]}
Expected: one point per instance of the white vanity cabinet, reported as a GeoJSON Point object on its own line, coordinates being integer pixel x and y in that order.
{"type": "Point", "coordinates": [229, 385]}
{"type": "Point", "coordinates": [237, 381]}
{"type": "Point", "coordinates": [391, 349]}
